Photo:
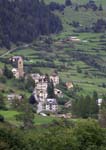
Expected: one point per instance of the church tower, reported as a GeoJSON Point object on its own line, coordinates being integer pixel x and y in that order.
{"type": "Point", "coordinates": [20, 67]}
{"type": "Point", "coordinates": [17, 62]}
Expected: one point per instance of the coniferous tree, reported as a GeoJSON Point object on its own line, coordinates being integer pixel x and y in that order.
{"type": "Point", "coordinates": [50, 90]}
{"type": "Point", "coordinates": [86, 106]}
{"type": "Point", "coordinates": [100, 7]}
{"type": "Point", "coordinates": [23, 21]}
{"type": "Point", "coordinates": [29, 84]}
{"type": "Point", "coordinates": [76, 8]}
{"type": "Point", "coordinates": [2, 103]}
{"type": "Point", "coordinates": [1, 118]}
{"type": "Point", "coordinates": [94, 109]}
{"type": "Point", "coordinates": [68, 2]}
{"type": "Point", "coordinates": [81, 106]}
{"type": "Point", "coordinates": [26, 116]}
{"type": "Point", "coordinates": [102, 112]}
{"type": "Point", "coordinates": [7, 73]}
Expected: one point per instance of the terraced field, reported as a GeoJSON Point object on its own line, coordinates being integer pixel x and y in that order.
{"type": "Point", "coordinates": [64, 56]}
{"type": "Point", "coordinates": [67, 57]}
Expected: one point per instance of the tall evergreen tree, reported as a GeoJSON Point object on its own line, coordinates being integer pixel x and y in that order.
{"type": "Point", "coordinates": [8, 73]}
{"type": "Point", "coordinates": [94, 109]}
{"type": "Point", "coordinates": [102, 112]}
{"type": "Point", "coordinates": [76, 8]}
{"type": "Point", "coordinates": [50, 90]}
{"type": "Point", "coordinates": [26, 115]}
{"type": "Point", "coordinates": [100, 7]}
{"type": "Point", "coordinates": [2, 103]}
{"type": "Point", "coordinates": [29, 84]}
{"type": "Point", "coordinates": [68, 2]}
{"type": "Point", "coordinates": [86, 106]}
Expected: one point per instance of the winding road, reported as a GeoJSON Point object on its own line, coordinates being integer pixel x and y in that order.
{"type": "Point", "coordinates": [8, 52]}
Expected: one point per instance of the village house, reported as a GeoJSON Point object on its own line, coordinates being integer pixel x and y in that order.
{"type": "Point", "coordinates": [100, 100]}
{"type": "Point", "coordinates": [12, 97]}
{"type": "Point", "coordinates": [69, 85]}
{"type": "Point", "coordinates": [43, 78]}
{"type": "Point", "coordinates": [73, 39]}
{"type": "Point", "coordinates": [66, 116]}
{"type": "Point", "coordinates": [58, 92]}
{"type": "Point", "coordinates": [35, 77]}
{"type": "Point", "coordinates": [41, 90]}
{"type": "Point", "coordinates": [49, 105]}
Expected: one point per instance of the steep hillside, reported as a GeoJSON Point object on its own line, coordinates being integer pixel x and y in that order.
{"type": "Point", "coordinates": [83, 62]}
{"type": "Point", "coordinates": [80, 14]}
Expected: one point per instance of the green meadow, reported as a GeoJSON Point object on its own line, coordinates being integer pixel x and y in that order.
{"type": "Point", "coordinates": [10, 116]}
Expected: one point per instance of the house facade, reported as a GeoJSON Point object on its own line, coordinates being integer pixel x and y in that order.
{"type": "Point", "coordinates": [50, 105]}
{"type": "Point", "coordinates": [12, 97]}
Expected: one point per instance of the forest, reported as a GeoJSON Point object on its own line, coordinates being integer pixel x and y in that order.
{"type": "Point", "coordinates": [62, 135]}
{"type": "Point", "coordinates": [23, 21]}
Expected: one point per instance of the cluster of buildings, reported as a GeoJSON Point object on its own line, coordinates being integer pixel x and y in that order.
{"type": "Point", "coordinates": [41, 95]}
{"type": "Point", "coordinates": [40, 92]}
{"type": "Point", "coordinates": [41, 83]}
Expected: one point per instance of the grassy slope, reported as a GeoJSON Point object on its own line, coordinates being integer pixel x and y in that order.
{"type": "Point", "coordinates": [85, 18]}
{"type": "Point", "coordinates": [88, 83]}
{"type": "Point", "coordinates": [10, 117]}
{"type": "Point", "coordinates": [103, 2]}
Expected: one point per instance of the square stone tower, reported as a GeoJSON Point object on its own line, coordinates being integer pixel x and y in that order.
{"type": "Point", "coordinates": [20, 67]}
{"type": "Point", "coordinates": [17, 61]}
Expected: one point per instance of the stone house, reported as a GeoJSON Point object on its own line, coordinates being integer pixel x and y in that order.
{"type": "Point", "coordinates": [41, 90]}
{"type": "Point", "coordinates": [69, 85]}
{"type": "Point", "coordinates": [12, 97]}
{"type": "Point", "coordinates": [48, 105]}
{"type": "Point", "coordinates": [74, 39]}
{"type": "Point", "coordinates": [51, 105]}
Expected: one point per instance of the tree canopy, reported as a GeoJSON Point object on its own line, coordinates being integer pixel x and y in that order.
{"type": "Point", "coordinates": [23, 21]}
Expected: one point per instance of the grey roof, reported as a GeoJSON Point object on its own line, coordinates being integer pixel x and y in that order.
{"type": "Point", "coordinates": [51, 101]}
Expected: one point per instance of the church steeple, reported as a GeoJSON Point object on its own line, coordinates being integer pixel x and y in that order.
{"type": "Point", "coordinates": [20, 67]}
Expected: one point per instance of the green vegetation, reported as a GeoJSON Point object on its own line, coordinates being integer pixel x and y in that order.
{"type": "Point", "coordinates": [40, 59]}
{"type": "Point", "coordinates": [17, 28]}
{"type": "Point", "coordinates": [78, 54]}
{"type": "Point", "coordinates": [62, 135]}
{"type": "Point", "coordinates": [48, 53]}
{"type": "Point", "coordinates": [10, 116]}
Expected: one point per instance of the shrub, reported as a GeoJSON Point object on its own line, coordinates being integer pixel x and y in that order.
{"type": "Point", "coordinates": [1, 118]}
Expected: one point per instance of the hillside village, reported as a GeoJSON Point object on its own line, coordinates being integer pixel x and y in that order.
{"type": "Point", "coordinates": [45, 102]}
{"type": "Point", "coordinates": [53, 75]}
